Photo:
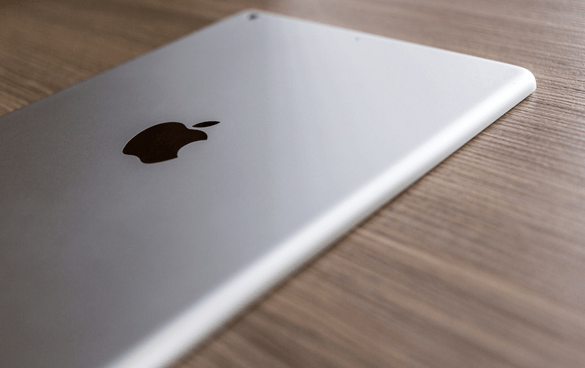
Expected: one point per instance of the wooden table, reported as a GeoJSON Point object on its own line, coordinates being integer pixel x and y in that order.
{"type": "Point", "coordinates": [479, 264]}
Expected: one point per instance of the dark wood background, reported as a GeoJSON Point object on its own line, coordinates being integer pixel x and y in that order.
{"type": "Point", "coordinates": [479, 264]}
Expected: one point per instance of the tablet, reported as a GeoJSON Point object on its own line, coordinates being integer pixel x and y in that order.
{"type": "Point", "coordinates": [144, 207]}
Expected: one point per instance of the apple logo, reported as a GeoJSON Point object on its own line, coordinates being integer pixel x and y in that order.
{"type": "Point", "coordinates": [162, 142]}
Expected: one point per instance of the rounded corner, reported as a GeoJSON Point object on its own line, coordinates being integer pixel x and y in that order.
{"type": "Point", "coordinates": [529, 78]}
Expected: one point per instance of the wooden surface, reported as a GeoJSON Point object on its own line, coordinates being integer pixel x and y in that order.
{"type": "Point", "coordinates": [479, 264]}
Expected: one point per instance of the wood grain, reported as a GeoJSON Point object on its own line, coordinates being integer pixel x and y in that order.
{"type": "Point", "coordinates": [479, 264]}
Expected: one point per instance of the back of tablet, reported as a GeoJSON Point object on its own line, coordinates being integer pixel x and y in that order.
{"type": "Point", "coordinates": [115, 252]}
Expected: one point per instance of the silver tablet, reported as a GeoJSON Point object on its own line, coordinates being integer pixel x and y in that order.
{"type": "Point", "coordinates": [144, 207]}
